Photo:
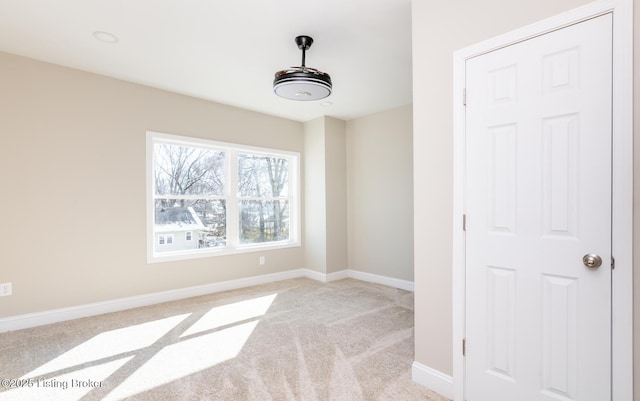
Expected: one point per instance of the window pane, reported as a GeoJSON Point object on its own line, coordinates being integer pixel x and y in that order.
{"type": "Point", "coordinates": [263, 221]}
{"type": "Point", "coordinates": [180, 170]}
{"type": "Point", "coordinates": [205, 219]}
{"type": "Point", "coordinates": [262, 176]}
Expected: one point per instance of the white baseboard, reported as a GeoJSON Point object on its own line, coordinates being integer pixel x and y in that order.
{"type": "Point", "coordinates": [340, 275]}
{"type": "Point", "coordinates": [98, 308]}
{"type": "Point", "coordinates": [315, 275]}
{"type": "Point", "coordinates": [327, 278]}
{"type": "Point", "coordinates": [388, 281]}
{"type": "Point", "coordinates": [362, 276]}
{"type": "Point", "coordinates": [432, 379]}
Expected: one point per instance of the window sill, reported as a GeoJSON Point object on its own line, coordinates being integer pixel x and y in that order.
{"type": "Point", "coordinates": [208, 253]}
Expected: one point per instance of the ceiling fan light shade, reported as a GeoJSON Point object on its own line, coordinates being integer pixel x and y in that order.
{"type": "Point", "coordinates": [302, 84]}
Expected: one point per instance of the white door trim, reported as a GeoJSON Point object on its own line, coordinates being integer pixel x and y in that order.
{"type": "Point", "coordinates": [622, 230]}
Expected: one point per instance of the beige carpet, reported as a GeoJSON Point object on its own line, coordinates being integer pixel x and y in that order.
{"type": "Point", "coordinates": [291, 340]}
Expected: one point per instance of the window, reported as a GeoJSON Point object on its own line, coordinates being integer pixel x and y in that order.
{"type": "Point", "coordinates": [165, 239]}
{"type": "Point", "coordinates": [221, 198]}
{"type": "Point", "coordinates": [262, 195]}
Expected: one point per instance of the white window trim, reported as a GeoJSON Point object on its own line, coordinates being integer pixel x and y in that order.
{"type": "Point", "coordinates": [233, 247]}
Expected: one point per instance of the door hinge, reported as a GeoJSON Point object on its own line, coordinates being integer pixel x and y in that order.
{"type": "Point", "coordinates": [464, 347]}
{"type": "Point", "coordinates": [613, 263]}
{"type": "Point", "coordinates": [464, 96]}
{"type": "Point", "coordinates": [464, 222]}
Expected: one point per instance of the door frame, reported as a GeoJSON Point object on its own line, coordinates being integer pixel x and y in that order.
{"type": "Point", "coordinates": [622, 182]}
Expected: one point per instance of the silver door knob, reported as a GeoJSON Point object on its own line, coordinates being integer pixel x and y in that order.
{"type": "Point", "coordinates": [592, 260]}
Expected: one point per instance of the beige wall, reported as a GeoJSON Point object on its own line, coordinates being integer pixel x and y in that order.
{"type": "Point", "coordinates": [315, 228]}
{"type": "Point", "coordinates": [440, 28]}
{"type": "Point", "coordinates": [325, 194]}
{"type": "Point", "coordinates": [72, 173]}
{"type": "Point", "coordinates": [336, 184]}
{"type": "Point", "coordinates": [380, 193]}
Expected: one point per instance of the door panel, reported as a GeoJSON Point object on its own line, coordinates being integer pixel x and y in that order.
{"type": "Point", "coordinates": [538, 198]}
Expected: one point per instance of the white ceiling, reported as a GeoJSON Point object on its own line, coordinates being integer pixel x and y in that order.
{"type": "Point", "coordinates": [227, 51]}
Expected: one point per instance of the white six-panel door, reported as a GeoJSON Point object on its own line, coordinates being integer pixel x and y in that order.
{"type": "Point", "coordinates": [538, 198]}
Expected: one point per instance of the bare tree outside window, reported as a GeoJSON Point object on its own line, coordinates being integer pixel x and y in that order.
{"type": "Point", "coordinates": [181, 170]}
{"type": "Point", "coordinates": [263, 187]}
{"type": "Point", "coordinates": [189, 193]}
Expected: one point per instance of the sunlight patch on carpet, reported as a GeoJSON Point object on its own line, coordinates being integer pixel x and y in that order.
{"type": "Point", "coordinates": [184, 358]}
{"type": "Point", "coordinates": [219, 335]}
{"type": "Point", "coordinates": [198, 348]}
{"type": "Point", "coordinates": [232, 313]}
{"type": "Point", "coordinates": [110, 344]}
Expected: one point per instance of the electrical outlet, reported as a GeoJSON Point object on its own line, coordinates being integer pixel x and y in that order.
{"type": "Point", "coordinates": [262, 260]}
{"type": "Point", "coordinates": [5, 289]}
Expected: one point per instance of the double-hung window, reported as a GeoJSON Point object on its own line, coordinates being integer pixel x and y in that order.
{"type": "Point", "coordinates": [216, 198]}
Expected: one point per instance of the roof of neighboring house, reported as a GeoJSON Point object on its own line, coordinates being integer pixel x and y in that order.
{"type": "Point", "coordinates": [177, 218]}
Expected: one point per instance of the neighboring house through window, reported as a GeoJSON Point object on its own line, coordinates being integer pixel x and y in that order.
{"type": "Point", "coordinates": [165, 239]}
{"type": "Point", "coordinates": [207, 198]}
